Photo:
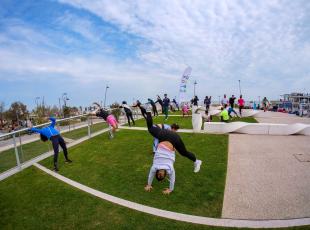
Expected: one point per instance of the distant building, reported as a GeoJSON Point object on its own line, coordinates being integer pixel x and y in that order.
{"type": "Point", "coordinates": [297, 102]}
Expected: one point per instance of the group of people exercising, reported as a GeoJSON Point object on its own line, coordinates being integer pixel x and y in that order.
{"type": "Point", "coordinates": [166, 141]}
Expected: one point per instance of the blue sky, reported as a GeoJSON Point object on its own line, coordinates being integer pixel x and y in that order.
{"type": "Point", "coordinates": [140, 48]}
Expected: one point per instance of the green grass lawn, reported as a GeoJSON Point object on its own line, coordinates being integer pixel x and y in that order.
{"type": "Point", "coordinates": [28, 151]}
{"type": "Point", "coordinates": [34, 149]}
{"type": "Point", "coordinates": [34, 200]}
{"type": "Point", "coordinates": [234, 119]}
{"type": "Point", "coordinates": [186, 122]}
{"type": "Point", "coordinates": [120, 167]}
{"type": "Point", "coordinates": [82, 132]}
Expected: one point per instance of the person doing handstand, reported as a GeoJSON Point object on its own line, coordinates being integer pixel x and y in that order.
{"type": "Point", "coordinates": [174, 139]}
{"type": "Point", "coordinates": [163, 161]}
{"type": "Point", "coordinates": [174, 127]}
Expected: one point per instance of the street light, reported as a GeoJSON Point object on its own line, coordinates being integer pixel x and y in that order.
{"type": "Point", "coordinates": [105, 95]}
{"type": "Point", "coordinates": [195, 83]}
{"type": "Point", "coordinates": [36, 100]}
{"type": "Point", "coordinates": [65, 98]}
{"type": "Point", "coordinates": [59, 106]}
{"type": "Point", "coordinates": [240, 88]}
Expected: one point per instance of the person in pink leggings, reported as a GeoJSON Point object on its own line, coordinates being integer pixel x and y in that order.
{"type": "Point", "coordinates": [109, 118]}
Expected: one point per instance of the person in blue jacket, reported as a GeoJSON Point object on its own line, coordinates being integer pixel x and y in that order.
{"type": "Point", "coordinates": [52, 134]}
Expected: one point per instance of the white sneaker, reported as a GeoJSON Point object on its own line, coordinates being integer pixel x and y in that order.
{"type": "Point", "coordinates": [197, 165]}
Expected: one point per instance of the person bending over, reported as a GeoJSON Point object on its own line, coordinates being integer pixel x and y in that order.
{"type": "Point", "coordinates": [230, 111]}
{"type": "Point", "coordinates": [163, 161]}
{"type": "Point", "coordinates": [160, 101]}
{"type": "Point", "coordinates": [128, 112]}
{"type": "Point", "coordinates": [52, 134]}
{"type": "Point", "coordinates": [174, 139]}
{"type": "Point", "coordinates": [143, 110]}
{"type": "Point", "coordinates": [153, 106]}
{"type": "Point", "coordinates": [109, 118]}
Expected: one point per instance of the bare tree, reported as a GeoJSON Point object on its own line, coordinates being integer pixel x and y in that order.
{"type": "Point", "coordinates": [2, 109]}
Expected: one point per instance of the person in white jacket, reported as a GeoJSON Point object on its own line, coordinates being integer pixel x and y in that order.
{"type": "Point", "coordinates": [163, 161]}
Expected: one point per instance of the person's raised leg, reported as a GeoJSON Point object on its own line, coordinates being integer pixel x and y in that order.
{"type": "Point", "coordinates": [153, 130]}
{"type": "Point", "coordinates": [180, 147]}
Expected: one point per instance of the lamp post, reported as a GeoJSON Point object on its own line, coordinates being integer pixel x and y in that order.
{"type": "Point", "coordinates": [65, 99]}
{"type": "Point", "coordinates": [195, 83]}
{"type": "Point", "coordinates": [59, 106]}
{"type": "Point", "coordinates": [240, 87]}
{"type": "Point", "coordinates": [36, 100]}
{"type": "Point", "coordinates": [105, 95]}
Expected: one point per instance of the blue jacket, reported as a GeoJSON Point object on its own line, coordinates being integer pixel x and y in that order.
{"type": "Point", "coordinates": [48, 131]}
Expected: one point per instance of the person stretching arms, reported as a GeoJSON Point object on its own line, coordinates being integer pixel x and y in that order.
{"type": "Point", "coordinates": [52, 134]}
{"type": "Point", "coordinates": [109, 118]}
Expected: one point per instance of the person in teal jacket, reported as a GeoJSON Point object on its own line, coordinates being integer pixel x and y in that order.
{"type": "Point", "coordinates": [52, 134]}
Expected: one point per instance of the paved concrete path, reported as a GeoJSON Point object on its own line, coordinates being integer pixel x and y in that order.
{"type": "Point", "coordinates": [280, 118]}
{"type": "Point", "coordinates": [265, 180]}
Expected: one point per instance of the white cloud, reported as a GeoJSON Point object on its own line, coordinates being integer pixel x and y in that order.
{"type": "Point", "coordinates": [263, 43]}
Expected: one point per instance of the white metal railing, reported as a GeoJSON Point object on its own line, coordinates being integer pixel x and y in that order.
{"type": "Point", "coordinates": [14, 141]}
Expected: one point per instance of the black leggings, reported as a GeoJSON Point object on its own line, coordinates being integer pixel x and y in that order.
{"type": "Point", "coordinates": [129, 116]}
{"type": "Point", "coordinates": [56, 141]}
{"type": "Point", "coordinates": [154, 110]}
{"type": "Point", "coordinates": [167, 135]}
{"type": "Point", "coordinates": [143, 112]}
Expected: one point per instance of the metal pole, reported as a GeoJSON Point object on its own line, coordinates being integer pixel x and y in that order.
{"type": "Point", "coordinates": [16, 152]}
{"type": "Point", "coordinates": [240, 88]}
{"type": "Point", "coordinates": [88, 127]}
{"type": "Point", "coordinates": [59, 107]}
{"type": "Point", "coordinates": [21, 147]}
{"type": "Point", "coordinates": [195, 83]}
{"type": "Point", "coordinates": [105, 96]}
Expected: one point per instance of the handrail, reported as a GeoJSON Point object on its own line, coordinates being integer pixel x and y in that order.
{"type": "Point", "coordinates": [37, 126]}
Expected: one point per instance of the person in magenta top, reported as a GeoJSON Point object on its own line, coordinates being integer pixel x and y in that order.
{"type": "Point", "coordinates": [185, 109]}
{"type": "Point", "coordinates": [240, 104]}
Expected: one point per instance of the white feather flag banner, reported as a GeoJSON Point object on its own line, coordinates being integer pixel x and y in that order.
{"type": "Point", "coordinates": [183, 85]}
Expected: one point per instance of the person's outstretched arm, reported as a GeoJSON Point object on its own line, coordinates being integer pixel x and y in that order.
{"type": "Point", "coordinates": [53, 120]}
{"type": "Point", "coordinates": [172, 180]}
{"type": "Point", "coordinates": [36, 130]}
